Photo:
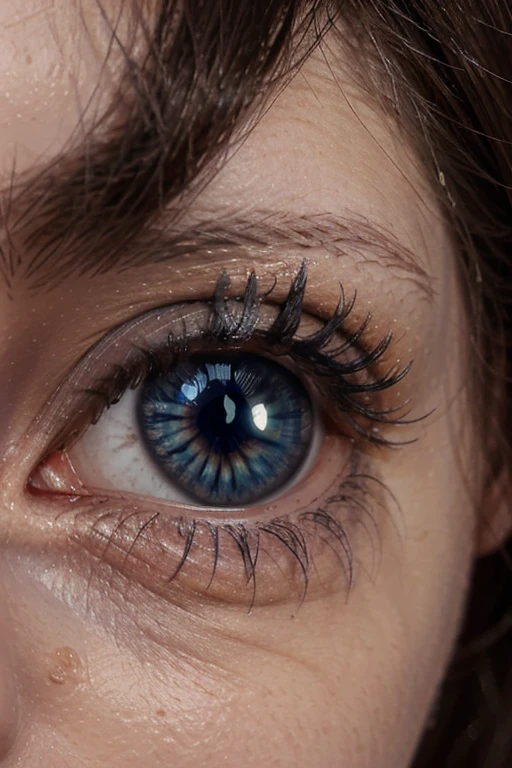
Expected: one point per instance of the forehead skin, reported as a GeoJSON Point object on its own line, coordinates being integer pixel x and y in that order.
{"type": "Point", "coordinates": [50, 60]}
{"type": "Point", "coordinates": [346, 681]}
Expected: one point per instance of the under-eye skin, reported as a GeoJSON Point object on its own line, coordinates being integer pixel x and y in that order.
{"type": "Point", "coordinates": [227, 395]}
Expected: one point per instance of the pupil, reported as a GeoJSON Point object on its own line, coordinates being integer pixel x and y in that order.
{"type": "Point", "coordinates": [227, 430]}
{"type": "Point", "coordinates": [224, 420]}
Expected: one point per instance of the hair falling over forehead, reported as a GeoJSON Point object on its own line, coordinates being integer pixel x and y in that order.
{"type": "Point", "coordinates": [443, 71]}
{"type": "Point", "coordinates": [205, 72]}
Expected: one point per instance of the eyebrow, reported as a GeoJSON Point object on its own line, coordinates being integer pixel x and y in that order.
{"type": "Point", "coordinates": [53, 253]}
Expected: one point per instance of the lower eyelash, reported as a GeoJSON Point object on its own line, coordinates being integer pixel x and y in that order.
{"type": "Point", "coordinates": [297, 546]}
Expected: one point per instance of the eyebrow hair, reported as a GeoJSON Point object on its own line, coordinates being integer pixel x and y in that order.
{"type": "Point", "coordinates": [277, 232]}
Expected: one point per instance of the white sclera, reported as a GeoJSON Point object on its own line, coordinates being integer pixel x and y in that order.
{"type": "Point", "coordinates": [111, 455]}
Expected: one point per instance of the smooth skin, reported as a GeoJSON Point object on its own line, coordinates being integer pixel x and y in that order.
{"type": "Point", "coordinates": [99, 669]}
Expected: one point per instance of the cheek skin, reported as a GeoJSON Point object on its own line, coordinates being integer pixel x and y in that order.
{"type": "Point", "coordinates": [9, 703]}
{"type": "Point", "coordinates": [340, 683]}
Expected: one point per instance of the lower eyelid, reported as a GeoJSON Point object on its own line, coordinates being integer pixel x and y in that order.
{"type": "Point", "coordinates": [176, 558]}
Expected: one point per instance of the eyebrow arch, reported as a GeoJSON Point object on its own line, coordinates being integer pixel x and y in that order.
{"type": "Point", "coordinates": [260, 231]}
{"type": "Point", "coordinates": [229, 233]}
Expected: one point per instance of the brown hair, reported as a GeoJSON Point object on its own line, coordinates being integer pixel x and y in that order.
{"type": "Point", "coordinates": [448, 71]}
{"type": "Point", "coordinates": [444, 71]}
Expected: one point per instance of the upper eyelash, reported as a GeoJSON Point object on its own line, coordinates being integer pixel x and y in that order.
{"type": "Point", "coordinates": [310, 350]}
{"type": "Point", "coordinates": [308, 353]}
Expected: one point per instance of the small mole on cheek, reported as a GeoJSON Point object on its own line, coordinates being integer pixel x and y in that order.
{"type": "Point", "coordinates": [160, 712]}
{"type": "Point", "coordinates": [66, 666]}
{"type": "Point", "coordinates": [28, 59]}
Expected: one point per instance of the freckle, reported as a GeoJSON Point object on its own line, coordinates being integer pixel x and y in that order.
{"type": "Point", "coordinates": [28, 59]}
{"type": "Point", "coordinates": [66, 666]}
{"type": "Point", "coordinates": [160, 712]}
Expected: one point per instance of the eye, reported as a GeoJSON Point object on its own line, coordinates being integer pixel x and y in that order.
{"type": "Point", "coordinates": [209, 439]}
{"type": "Point", "coordinates": [224, 430]}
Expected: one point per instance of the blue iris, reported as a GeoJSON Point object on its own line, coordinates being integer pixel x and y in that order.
{"type": "Point", "coordinates": [227, 430]}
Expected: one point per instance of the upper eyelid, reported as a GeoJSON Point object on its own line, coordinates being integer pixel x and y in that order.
{"type": "Point", "coordinates": [116, 337]}
{"type": "Point", "coordinates": [100, 364]}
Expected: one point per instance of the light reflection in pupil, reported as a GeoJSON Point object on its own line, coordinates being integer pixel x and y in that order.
{"type": "Point", "coordinates": [259, 416]}
{"type": "Point", "coordinates": [224, 418]}
{"type": "Point", "coordinates": [226, 430]}
{"type": "Point", "coordinates": [230, 409]}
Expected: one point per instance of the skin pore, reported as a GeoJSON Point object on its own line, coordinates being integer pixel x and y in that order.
{"type": "Point", "coordinates": [103, 662]}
